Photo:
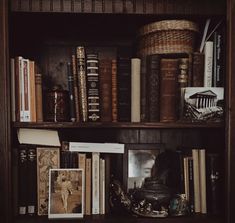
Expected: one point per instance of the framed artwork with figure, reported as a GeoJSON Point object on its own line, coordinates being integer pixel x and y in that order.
{"type": "Point", "coordinates": [66, 193]}
{"type": "Point", "coordinates": [139, 163]}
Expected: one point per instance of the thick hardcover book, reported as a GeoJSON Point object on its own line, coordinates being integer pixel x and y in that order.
{"type": "Point", "coordinates": [23, 181]}
{"type": "Point", "coordinates": [114, 90]}
{"type": "Point", "coordinates": [93, 91]}
{"type": "Point", "coordinates": [81, 70]}
{"type": "Point", "coordinates": [198, 69]}
{"type": "Point", "coordinates": [95, 183]}
{"type": "Point", "coordinates": [208, 68]}
{"type": "Point", "coordinates": [32, 181]}
{"type": "Point", "coordinates": [71, 93]}
{"type": "Point", "coordinates": [38, 87]}
{"type": "Point", "coordinates": [153, 87]}
{"type": "Point", "coordinates": [214, 193]}
{"type": "Point", "coordinates": [168, 90]}
{"type": "Point", "coordinates": [75, 86]}
{"type": "Point", "coordinates": [47, 158]}
{"type": "Point", "coordinates": [124, 89]}
{"type": "Point", "coordinates": [106, 89]}
{"type": "Point", "coordinates": [135, 89]}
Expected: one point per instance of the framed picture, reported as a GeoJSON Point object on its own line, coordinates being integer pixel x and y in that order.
{"type": "Point", "coordinates": [66, 193]}
{"type": "Point", "coordinates": [139, 163]}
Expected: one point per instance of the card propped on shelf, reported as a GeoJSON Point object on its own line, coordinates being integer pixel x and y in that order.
{"type": "Point", "coordinates": [38, 137]}
{"type": "Point", "coordinates": [203, 103]}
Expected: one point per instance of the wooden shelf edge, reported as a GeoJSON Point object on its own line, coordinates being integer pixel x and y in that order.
{"type": "Point", "coordinates": [117, 125]}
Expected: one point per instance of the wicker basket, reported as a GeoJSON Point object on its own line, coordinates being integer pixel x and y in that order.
{"type": "Point", "coordinates": [167, 36]}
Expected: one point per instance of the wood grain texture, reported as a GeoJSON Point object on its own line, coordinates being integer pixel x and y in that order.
{"type": "Point", "coordinates": [5, 153]}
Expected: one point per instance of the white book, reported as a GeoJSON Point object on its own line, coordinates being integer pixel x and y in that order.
{"type": "Point", "coordinates": [196, 181]}
{"type": "Point", "coordinates": [135, 89]}
{"type": "Point", "coordinates": [13, 101]}
{"type": "Point", "coordinates": [102, 186]}
{"type": "Point", "coordinates": [202, 165]}
{"type": "Point", "coordinates": [21, 88]}
{"type": "Point", "coordinates": [95, 183]}
{"type": "Point", "coordinates": [208, 67]}
{"type": "Point", "coordinates": [96, 147]}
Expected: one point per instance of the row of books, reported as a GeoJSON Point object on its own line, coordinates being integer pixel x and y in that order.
{"type": "Point", "coordinates": [39, 186]}
{"type": "Point", "coordinates": [26, 91]}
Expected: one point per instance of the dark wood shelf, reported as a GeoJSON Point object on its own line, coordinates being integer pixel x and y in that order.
{"type": "Point", "coordinates": [117, 125]}
{"type": "Point", "coordinates": [129, 219]}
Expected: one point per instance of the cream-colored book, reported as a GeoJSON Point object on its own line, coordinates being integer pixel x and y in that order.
{"type": "Point", "coordinates": [95, 183]}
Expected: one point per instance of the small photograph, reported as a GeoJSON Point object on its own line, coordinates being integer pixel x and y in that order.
{"type": "Point", "coordinates": [203, 104]}
{"type": "Point", "coordinates": [66, 192]}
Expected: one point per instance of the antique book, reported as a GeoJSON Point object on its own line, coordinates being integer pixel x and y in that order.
{"type": "Point", "coordinates": [88, 187]}
{"type": "Point", "coordinates": [198, 69]}
{"type": "Point", "coordinates": [32, 86]}
{"type": "Point", "coordinates": [32, 181]}
{"type": "Point", "coordinates": [191, 184]}
{"type": "Point", "coordinates": [39, 107]}
{"type": "Point", "coordinates": [208, 64]}
{"type": "Point", "coordinates": [82, 165]}
{"type": "Point", "coordinates": [93, 91]}
{"type": "Point", "coordinates": [95, 183]}
{"type": "Point", "coordinates": [124, 88]}
{"type": "Point", "coordinates": [106, 89]}
{"type": "Point", "coordinates": [47, 158]}
{"type": "Point", "coordinates": [81, 71]}
{"type": "Point", "coordinates": [168, 90]}
{"type": "Point", "coordinates": [71, 93]}
{"type": "Point", "coordinates": [75, 86]}
{"type": "Point", "coordinates": [102, 186]}
{"type": "Point", "coordinates": [153, 87]}
{"type": "Point", "coordinates": [114, 90]}
{"type": "Point", "coordinates": [135, 89]}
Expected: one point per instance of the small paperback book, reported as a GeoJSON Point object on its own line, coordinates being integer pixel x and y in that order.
{"type": "Point", "coordinates": [203, 103]}
{"type": "Point", "coordinates": [66, 193]}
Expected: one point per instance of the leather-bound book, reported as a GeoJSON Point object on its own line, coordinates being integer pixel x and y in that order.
{"type": "Point", "coordinates": [75, 87]}
{"type": "Point", "coordinates": [124, 88]}
{"type": "Point", "coordinates": [38, 87]}
{"type": "Point", "coordinates": [93, 92]}
{"type": "Point", "coordinates": [153, 87]}
{"type": "Point", "coordinates": [106, 89]}
{"type": "Point", "coordinates": [198, 69]}
{"type": "Point", "coordinates": [114, 90]}
{"type": "Point", "coordinates": [81, 70]}
{"type": "Point", "coordinates": [71, 93]}
{"type": "Point", "coordinates": [168, 90]}
{"type": "Point", "coordinates": [32, 91]}
{"type": "Point", "coordinates": [32, 181]}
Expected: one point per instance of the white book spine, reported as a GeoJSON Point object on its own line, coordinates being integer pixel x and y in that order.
{"type": "Point", "coordinates": [21, 88]}
{"type": "Point", "coordinates": [196, 180]}
{"type": "Point", "coordinates": [208, 68]}
{"type": "Point", "coordinates": [135, 89]}
{"type": "Point", "coordinates": [95, 183]}
{"type": "Point", "coordinates": [13, 101]}
{"type": "Point", "coordinates": [202, 164]}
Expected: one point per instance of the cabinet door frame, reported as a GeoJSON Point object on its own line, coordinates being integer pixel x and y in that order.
{"type": "Point", "coordinates": [5, 157]}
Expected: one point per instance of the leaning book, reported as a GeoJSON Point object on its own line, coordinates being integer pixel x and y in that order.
{"type": "Point", "coordinates": [203, 104]}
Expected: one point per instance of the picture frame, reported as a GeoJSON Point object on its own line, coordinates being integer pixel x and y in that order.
{"type": "Point", "coordinates": [66, 193]}
{"type": "Point", "coordinates": [139, 161]}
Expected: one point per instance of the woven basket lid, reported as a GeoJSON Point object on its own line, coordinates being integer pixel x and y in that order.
{"type": "Point", "coordinates": [168, 25]}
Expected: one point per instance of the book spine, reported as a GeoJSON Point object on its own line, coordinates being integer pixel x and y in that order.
{"type": "Point", "coordinates": [21, 87]}
{"type": "Point", "coordinates": [198, 69]}
{"type": "Point", "coordinates": [75, 85]}
{"type": "Point", "coordinates": [219, 60]}
{"type": "Point", "coordinates": [38, 87]}
{"type": "Point", "coordinates": [95, 183]}
{"type": "Point", "coordinates": [124, 89]}
{"type": "Point", "coordinates": [196, 179]}
{"type": "Point", "coordinates": [82, 165]}
{"type": "Point", "coordinates": [71, 92]}
{"type": "Point", "coordinates": [81, 70]}
{"type": "Point", "coordinates": [135, 89]}
{"type": "Point", "coordinates": [168, 92]}
{"type": "Point", "coordinates": [88, 187]}
{"type": "Point", "coordinates": [106, 90]}
{"type": "Point", "coordinates": [191, 184]}
{"type": "Point", "coordinates": [32, 91]}
{"type": "Point", "coordinates": [22, 181]}
{"type": "Point", "coordinates": [208, 64]}
{"type": "Point", "coordinates": [107, 158]}
{"type": "Point", "coordinates": [214, 67]}
{"type": "Point", "coordinates": [186, 178]}
{"type": "Point", "coordinates": [65, 159]}
{"type": "Point", "coordinates": [102, 186]}
{"type": "Point", "coordinates": [13, 91]}
{"type": "Point", "coordinates": [114, 90]}
{"type": "Point", "coordinates": [32, 182]}
{"type": "Point", "coordinates": [93, 92]}
{"type": "Point", "coordinates": [202, 165]}
{"type": "Point", "coordinates": [73, 160]}
{"type": "Point", "coordinates": [17, 89]}
{"type": "Point", "coordinates": [153, 87]}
